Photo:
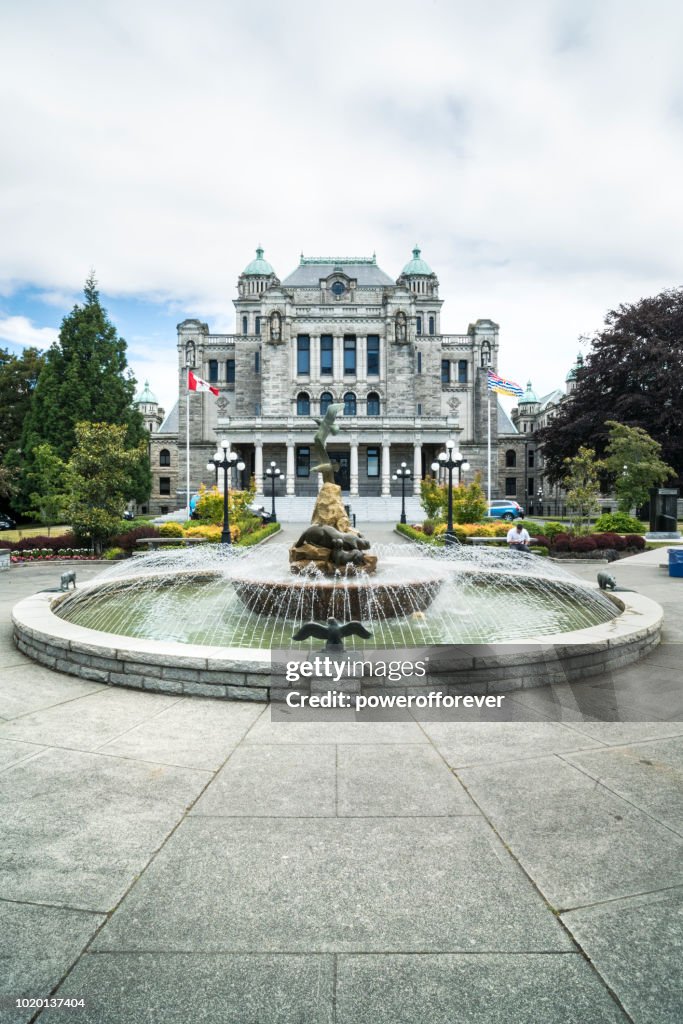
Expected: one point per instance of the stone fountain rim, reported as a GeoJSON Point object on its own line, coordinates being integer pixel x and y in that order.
{"type": "Point", "coordinates": [244, 673]}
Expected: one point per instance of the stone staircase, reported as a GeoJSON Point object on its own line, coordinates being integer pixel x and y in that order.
{"type": "Point", "coordinates": [291, 509]}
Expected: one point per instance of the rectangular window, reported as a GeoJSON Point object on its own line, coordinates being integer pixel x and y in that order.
{"type": "Point", "coordinates": [419, 408]}
{"type": "Point", "coordinates": [373, 355]}
{"type": "Point", "coordinates": [326, 355]}
{"type": "Point", "coordinates": [418, 324]}
{"type": "Point", "coordinates": [510, 486]}
{"type": "Point", "coordinates": [303, 355]}
{"type": "Point", "coordinates": [530, 487]}
{"type": "Point", "coordinates": [350, 354]}
{"type": "Point", "coordinates": [164, 485]}
{"type": "Point", "coordinates": [257, 362]}
{"type": "Point", "coordinates": [230, 371]}
{"type": "Point", "coordinates": [213, 370]}
{"type": "Point", "coordinates": [445, 371]}
{"type": "Point", "coordinates": [373, 461]}
{"type": "Point", "coordinates": [530, 460]}
{"type": "Point", "coordinates": [462, 371]}
{"type": "Point", "coordinates": [257, 325]}
{"type": "Point", "coordinates": [419, 362]}
{"type": "Point", "coordinates": [303, 462]}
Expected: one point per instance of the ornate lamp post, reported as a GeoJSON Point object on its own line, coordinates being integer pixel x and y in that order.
{"type": "Point", "coordinates": [273, 473]}
{"type": "Point", "coordinates": [450, 459]}
{"type": "Point", "coordinates": [225, 459]}
{"type": "Point", "coordinates": [402, 474]}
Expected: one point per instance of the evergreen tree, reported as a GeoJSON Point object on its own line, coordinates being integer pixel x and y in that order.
{"type": "Point", "coordinates": [85, 378]}
{"type": "Point", "coordinates": [634, 374]}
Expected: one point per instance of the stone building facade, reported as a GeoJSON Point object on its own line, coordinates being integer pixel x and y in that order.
{"type": "Point", "coordinates": [334, 330]}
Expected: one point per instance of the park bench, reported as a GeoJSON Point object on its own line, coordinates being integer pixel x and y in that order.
{"type": "Point", "coordinates": [157, 542]}
{"type": "Point", "coordinates": [487, 540]}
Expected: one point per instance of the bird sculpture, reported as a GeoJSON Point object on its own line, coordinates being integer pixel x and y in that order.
{"type": "Point", "coordinates": [334, 632]}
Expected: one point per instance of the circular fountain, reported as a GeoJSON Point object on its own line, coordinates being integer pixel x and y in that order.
{"type": "Point", "coordinates": [207, 620]}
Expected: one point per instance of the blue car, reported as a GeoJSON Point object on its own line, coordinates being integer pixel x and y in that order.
{"type": "Point", "coordinates": [507, 509]}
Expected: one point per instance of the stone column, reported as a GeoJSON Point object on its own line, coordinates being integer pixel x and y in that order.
{"type": "Point", "coordinates": [354, 469]}
{"type": "Point", "coordinates": [417, 468]}
{"type": "Point", "coordinates": [258, 466]}
{"type": "Point", "coordinates": [386, 469]}
{"type": "Point", "coordinates": [291, 479]}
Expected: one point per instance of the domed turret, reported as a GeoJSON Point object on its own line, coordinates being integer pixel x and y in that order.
{"type": "Point", "coordinates": [258, 267]}
{"type": "Point", "coordinates": [529, 397]}
{"type": "Point", "coordinates": [146, 397]}
{"type": "Point", "coordinates": [147, 405]}
{"type": "Point", "coordinates": [417, 267]}
{"type": "Point", "coordinates": [573, 374]}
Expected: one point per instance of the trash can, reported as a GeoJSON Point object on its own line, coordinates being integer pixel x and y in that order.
{"type": "Point", "coordinates": [676, 562]}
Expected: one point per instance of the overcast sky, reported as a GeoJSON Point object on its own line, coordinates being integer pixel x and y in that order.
{"type": "Point", "coordinates": [533, 150]}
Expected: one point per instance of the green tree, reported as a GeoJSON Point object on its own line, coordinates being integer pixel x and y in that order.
{"type": "Point", "coordinates": [18, 377]}
{"type": "Point", "coordinates": [48, 500]}
{"type": "Point", "coordinates": [469, 502]}
{"type": "Point", "coordinates": [633, 374]}
{"type": "Point", "coordinates": [582, 480]}
{"type": "Point", "coordinates": [432, 497]}
{"type": "Point", "coordinates": [85, 378]}
{"type": "Point", "coordinates": [100, 479]}
{"type": "Point", "coordinates": [634, 458]}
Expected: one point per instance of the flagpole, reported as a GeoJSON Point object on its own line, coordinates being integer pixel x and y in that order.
{"type": "Point", "coordinates": [187, 441]}
{"type": "Point", "coordinates": [488, 446]}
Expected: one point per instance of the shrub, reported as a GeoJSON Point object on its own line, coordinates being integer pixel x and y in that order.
{"type": "Point", "coordinates": [469, 502]}
{"type": "Point", "coordinates": [112, 554]}
{"type": "Point", "coordinates": [64, 540]}
{"type": "Point", "coordinates": [617, 522]}
{"type": "Point", "coordinates": [552, 530]}
{"type": "Point", "coordinates": [171, 530]}
{"type": "Point", "coordinates": [582, 544]}
{"type": "Point", "coordinates": [415, 534]}
{"type": "Point", "coordinates": [257, 535]}
{"type": "Point", "coordinates": [561, 544]}
{"type": "Point", "coordinates": [127, 541]}
{"type": "Point", "coordinates": [429, 526]}
{"type": "Point", "coordinates": [635, 540]}
{"type": "Point", "coordinates": [212, 532]}
{"type": "Point", "coordinates": [432, 497]}
{"type": "Point", "coordinates": [209, 508]}
{"type": "Point", "coordinates": [604, 540]}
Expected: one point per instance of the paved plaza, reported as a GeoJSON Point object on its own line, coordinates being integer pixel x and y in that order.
{"type": "Point", "coordinates": [170, 859]}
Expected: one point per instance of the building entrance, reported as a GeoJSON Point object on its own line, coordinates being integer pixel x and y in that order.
{"type": "Point", "coordinates": [342, 474]}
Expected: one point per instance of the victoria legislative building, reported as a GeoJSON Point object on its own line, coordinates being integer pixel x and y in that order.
{"type": "Point", "coordinates": [336, 329]}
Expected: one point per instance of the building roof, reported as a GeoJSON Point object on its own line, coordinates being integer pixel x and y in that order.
{"type": "Point", "coordinates": [363, 269]}
{"type": "Point", "coordinates": [417, 267]}
{"type": "Point", "coordinates": [505, 424]}
{"type": "Point", "coordinates": [259, 267]}
{"type": "Point", "coordinates": [529, 397]}
{"type": "Point", "coordinates": [145, 397]}
{"type": "Point", "coordinates": [552, 398]}
{"type": "Point", "coordinates": [170, 424]}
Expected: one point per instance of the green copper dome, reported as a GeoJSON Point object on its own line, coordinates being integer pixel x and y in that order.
{"type": "Point", "coordinates": [529, 396]}
{"type": "Point", "coordinates": [259, 267]}
{"type": "Point", "coordinates": [145, 397]}
{"type": "Point", "coordinates": [578, 365]}
{"type": "Point", "coordinates": [417, 266]}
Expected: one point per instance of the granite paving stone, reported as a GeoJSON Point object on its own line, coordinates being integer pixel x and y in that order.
{"type": "Point", "coordinates": [578, 842]}
{"type": "Point", "coordinates": [278, 780]}
{"type": "Point", "coordinates": [192, 732]}
{"type": "Point", "coordinates": [649, 775]}
{"type": "Point", "coordinates": [637, 947]}
{"type": "Point", "coordinates": [76, 828]}
{"type": "Point", "coordinates": [397, 779]}
{"type": "Point", "coordinates": [332, 884]}
{"type": "Point", "coordinates": [12, 751]}
{"type": "Point", "coordinates": [39, 944]}
{"type": "Point", "coordinates": [30, 687]}
{"type": "Point", "coordinates": [88, 722]}
{"type": "Point", "coordinates": [163, 988]}
{"type": "Point", "coordinates": [334, 726]}
{"type": "Point", "coordinates": [472, 743]}
{"type": "Point", "coordinates": [481, 989]}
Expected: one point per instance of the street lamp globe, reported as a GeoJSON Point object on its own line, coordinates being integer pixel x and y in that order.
{"type": "Point", "coordinates": [450, 444]}
{"type": "Point", "coordinates": [465, 466]}
{"type": "Point", "coordinates": [436, 466]}
{"type": "Point", "coordinates": [225, 444]}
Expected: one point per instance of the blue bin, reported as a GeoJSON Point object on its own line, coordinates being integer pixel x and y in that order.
{"type": "Point", "coordinates": [676, 562]}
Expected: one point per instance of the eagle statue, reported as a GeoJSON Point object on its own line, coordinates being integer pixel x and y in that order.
{"type": "Point", "coordinates": [334, 632]}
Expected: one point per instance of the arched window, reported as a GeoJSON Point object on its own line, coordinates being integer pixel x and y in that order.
{"type": "Point", "coordinates": [432, 325]}
{"type": "Point", "coordinates": [485, 353]}
{"type": "Point", "coordinates": [373, 404]}
{"type": "Point", "coordinates": [164, 457]}
{"type": "Point", "coordinates": [462, 371]}
{"type": "Point", "coordinates": [349, 404]}
{"type": "Point", "coordinates": [245, 325]}
{"type": "Point", "coordinates": [257, 325]}
{"type": "Point", "coordinates": [303, 404]}
{"type": "Point", "coordinates": [326, 400]}
{"type": "Point", "coordinates": [510, 458]}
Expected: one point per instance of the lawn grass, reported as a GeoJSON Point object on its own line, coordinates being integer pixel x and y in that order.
{"type": "Point", "coordinates": [33, 531]}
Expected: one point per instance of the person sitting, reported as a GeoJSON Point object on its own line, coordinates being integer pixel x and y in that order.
{"type": "Point", "coordinates": [518, 538]}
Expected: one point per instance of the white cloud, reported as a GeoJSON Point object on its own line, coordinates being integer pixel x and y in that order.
{"type": "Point", "coordinates": [20, 332]}
{"type": "Point", "coordinates": [533, 150]}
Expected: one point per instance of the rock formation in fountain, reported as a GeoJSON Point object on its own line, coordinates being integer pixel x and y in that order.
{"type": "Point", "coordinates": [330, 544]}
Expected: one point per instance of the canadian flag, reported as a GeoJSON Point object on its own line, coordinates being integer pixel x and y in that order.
{"type": "Point", "coordinates": [197, 384]}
